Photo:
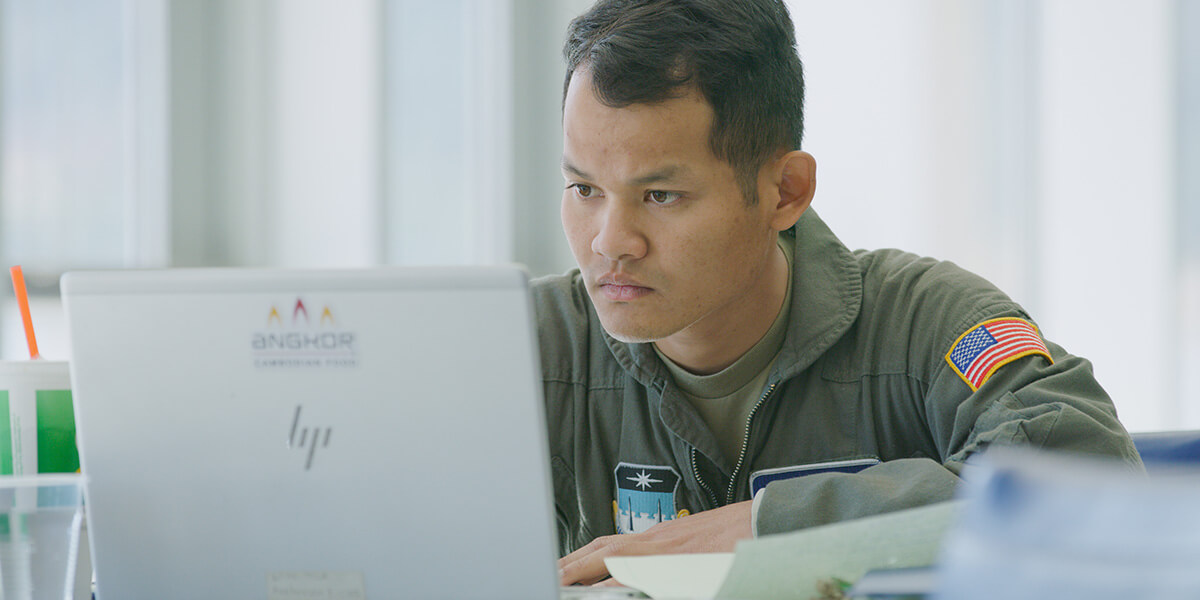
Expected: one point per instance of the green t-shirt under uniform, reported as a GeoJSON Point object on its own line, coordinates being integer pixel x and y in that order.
{"type": "Point", "coordinates": [725, 399]}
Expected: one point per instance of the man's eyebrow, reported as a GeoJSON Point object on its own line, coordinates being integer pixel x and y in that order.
{"type": "Point", "coordinates": [573, 170]}
{"type": "Point", "coordinates": [665, 173]}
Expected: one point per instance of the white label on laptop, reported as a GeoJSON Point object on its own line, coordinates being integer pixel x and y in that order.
{"type": "Point", "coordinates": [315, 585]}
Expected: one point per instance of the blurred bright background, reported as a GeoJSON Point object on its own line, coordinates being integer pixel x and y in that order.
{"type": "Point", "coordinates": [1052, 147]}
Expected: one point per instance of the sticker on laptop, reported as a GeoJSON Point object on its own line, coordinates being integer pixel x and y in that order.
{"type": "Point", "coordinates": [306, 585]}
{"type": "Point", "coordinates": [760, 479]}
{"type": "Point", "coordinates": [645, 496]}
{"type": "Point", "coordinates": [302, 341]}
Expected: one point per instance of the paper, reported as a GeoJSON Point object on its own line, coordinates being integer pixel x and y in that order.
{"type": "Point", "coordinates": [794, 565]}
{"type": "Point", "coordinates": [672, 576]}
{"type": "Point", "coordinates": [790, 566]}
{"type": "Point", "coordinates": [1053, 526]}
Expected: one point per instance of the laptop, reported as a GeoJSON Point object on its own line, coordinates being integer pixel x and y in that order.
{"type": "Point", "coordinates": [285, 434]}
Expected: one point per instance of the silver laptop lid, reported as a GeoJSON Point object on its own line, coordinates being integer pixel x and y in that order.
{"type": "Point", "coordinates": [273, 434]}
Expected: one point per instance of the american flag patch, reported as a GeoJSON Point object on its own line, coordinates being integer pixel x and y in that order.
{"type": "Point", "coordinates": [976, 354]}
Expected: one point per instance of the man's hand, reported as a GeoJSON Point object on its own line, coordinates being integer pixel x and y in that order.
{"type": "Point", "coordinates": [716, 530]}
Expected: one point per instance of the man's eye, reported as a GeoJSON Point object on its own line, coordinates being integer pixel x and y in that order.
{"type": "Point", "coordinates": [662, 198]}
{"type": "Point", "coordinates": [583, 190]}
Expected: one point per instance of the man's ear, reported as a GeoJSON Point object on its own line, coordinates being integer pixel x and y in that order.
{"type": "Point", "coordinates": [796, 178]}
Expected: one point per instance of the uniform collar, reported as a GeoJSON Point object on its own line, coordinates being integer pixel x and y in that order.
{"type": "Point", "coordinates": [828, 296]}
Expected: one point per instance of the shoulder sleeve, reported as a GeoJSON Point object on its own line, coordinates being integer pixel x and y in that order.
{"type": "Point", "coordinates": [1046, 398]}
{"type": "Point", "coordinates": [989, 374]}
{"type": "Point", "coordinates": [1031, 392]}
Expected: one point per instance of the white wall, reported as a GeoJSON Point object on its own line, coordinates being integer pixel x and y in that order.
{"type": "Point", "coordinates": [1108, 201]}
{"type": "Point", "coordinates": [1032, 142]}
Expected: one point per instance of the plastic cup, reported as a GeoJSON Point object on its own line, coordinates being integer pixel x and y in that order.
{"type": "Point", "coordinates": [37, 422]}
{"type": "Point", "coordinates": [37, 436]}
{"type": "Point", "coordinates": [40, 519]}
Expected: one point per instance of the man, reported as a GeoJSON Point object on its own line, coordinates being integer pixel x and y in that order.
{"type": "Point", "coordinates": [720, 365]}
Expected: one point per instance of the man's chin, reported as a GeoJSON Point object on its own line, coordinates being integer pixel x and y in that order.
{"type": "Point", "coordinates": [630, 338]}
{"type": "Point", "coordinates": [632, 333]}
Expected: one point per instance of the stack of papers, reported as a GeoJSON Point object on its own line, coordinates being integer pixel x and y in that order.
{"type": "Point", "coordinates": [1061, 528]}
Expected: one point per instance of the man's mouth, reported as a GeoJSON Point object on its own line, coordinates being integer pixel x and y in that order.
{"type": "Point", "coordinates": [621, 288]}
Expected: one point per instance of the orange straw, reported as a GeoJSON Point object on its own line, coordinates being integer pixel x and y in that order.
{"type": "Point", "coordinates": [18, 279]}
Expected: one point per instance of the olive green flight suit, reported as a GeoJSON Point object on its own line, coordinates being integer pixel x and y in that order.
{"type": "Point", "coordinates": [863, 374]}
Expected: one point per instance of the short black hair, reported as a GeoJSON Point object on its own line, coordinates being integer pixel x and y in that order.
{"type": "Point", "coordinates": [740, 54]}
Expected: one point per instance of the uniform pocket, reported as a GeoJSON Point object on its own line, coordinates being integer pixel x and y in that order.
{"type": "Point", "coordinates": [572, 533]}
{"type": "Point", "coordinates": [1008, 422]}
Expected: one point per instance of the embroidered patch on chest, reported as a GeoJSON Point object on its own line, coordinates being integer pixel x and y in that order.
{"type": "Point", "coordinates": [645, 496]}
{"type": "Point", "coordinates": [760, 479]}
{"type": "Point", "coordinates": [976, 354]}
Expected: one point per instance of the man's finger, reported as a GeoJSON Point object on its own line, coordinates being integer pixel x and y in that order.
{"type": "Point", "coordinates": [586, 565]}
{"type": "Point", "coordinates": [583, 573]}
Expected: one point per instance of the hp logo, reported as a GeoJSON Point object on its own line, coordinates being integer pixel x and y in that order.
{"type": "Point", "coordinates": [310, 438]}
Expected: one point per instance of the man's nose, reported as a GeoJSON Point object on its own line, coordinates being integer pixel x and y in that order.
{"type": "Point", "coordinates": [620, 234]}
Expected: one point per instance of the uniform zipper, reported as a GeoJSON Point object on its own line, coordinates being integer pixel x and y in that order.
{"type": "Point", "coordinates": [700, 480]}
{"type": "Point", "coordinates": [745, 445]}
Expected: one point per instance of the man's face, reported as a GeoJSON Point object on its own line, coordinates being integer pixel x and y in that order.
{"type": "Point", "coordinates": [657, 223]}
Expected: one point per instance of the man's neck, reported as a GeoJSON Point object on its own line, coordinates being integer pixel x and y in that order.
{"type": "Point", "coordinates": [720, 338]}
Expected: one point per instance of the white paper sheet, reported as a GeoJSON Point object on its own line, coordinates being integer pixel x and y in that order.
{"type": "Point", "coordinates": [672, 576]}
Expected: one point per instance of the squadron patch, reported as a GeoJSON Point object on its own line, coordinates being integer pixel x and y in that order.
{"type": "Point", "coordinates": [976, 354]}
{"type": "Point", "coordinates": [645, 496]}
